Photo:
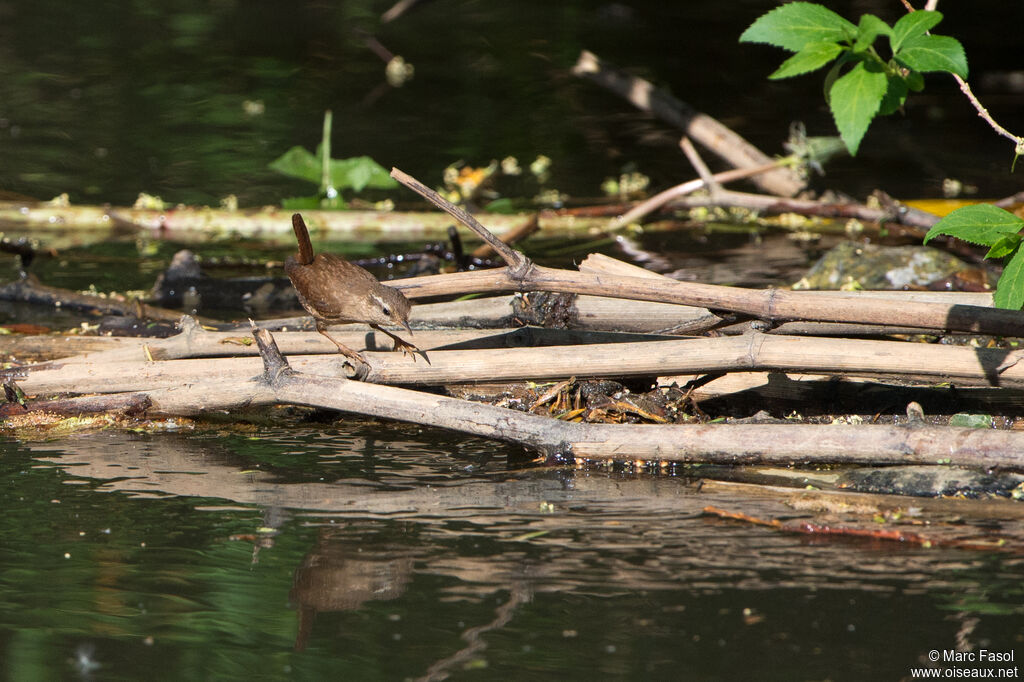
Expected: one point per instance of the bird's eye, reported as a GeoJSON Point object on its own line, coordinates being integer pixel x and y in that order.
{"type": "Point", "coordinates": [385, 310]}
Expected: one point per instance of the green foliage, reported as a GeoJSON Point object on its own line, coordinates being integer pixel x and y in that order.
{"type": "Point", "coordinates": [861, 84]}
{"type": "Point", "coordinates": [988, 225]}
{"type": "Point", "coordinates": [355, 173]}
{"type": "Point", "coordinates": [972, 421]}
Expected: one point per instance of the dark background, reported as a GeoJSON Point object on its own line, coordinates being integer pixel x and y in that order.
{"type": "Point", "coordinates": [104, 100]}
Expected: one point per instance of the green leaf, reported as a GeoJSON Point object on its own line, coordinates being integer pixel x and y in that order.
{"type": "Point", "coordinates": [796, 24]}
{"type": "Point", "coordinates": [1010, 287]}
{"type": "Point", "coordinates": [356, 173]}
{"type": "Point", "coordinates": [812, 56]}
{"type": "Point", "coordinates": [983, 224]}
{"type": "Point", "coordinates": [895, 96]}
{"type": "Point", "coordinates": [972, 421]}
{"type": "Point", "coordinates": [1004, 246]}
{"type": "Point", "coordinates": [933, 53]}
{"type": "Point", "coordinates": [869, 28]}
{"type": "Point", "coordinates": [297, 162]}
{"type": "Point", "coordinates": [854, 100]}
{"type": "Point", "coordinates": [360, 172]}
{"type": "Point", "coordinates": [912, 25]}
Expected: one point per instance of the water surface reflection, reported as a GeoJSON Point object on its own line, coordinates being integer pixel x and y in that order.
{"type": "Point", "coordinates": [402, 553]}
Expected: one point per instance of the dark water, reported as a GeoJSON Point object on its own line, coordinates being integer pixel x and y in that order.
{"type": "Point", "coordinates": [105, 100]}
{"type": "Point", "coordinates": [347, 551]}
{"type": "Point", "coordinates": [355, 550]}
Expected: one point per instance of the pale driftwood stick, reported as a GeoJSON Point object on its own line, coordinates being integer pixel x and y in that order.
{"type": "Point", "coordinates": [698, 320]}
{"type": "Point", "coordinates": [768, 304]}
{"type": "Point", "coordinates": [905, 215]}
{"type": "Point", "coordinates": [596, 313]}
{"type": "Point", "coordinates": [599, 263]}
{"type": "Point", "coordinates": [648, 206]}
{"type": "Point", "coordinates": [801, 443]}
{"type": "Point", "coordinates": [195, 342]}
{"type": "Point", "coordinates": [948, 298]}
{"type": "Point", "coordinates": [611, 314]}
{"type": "Point", "coordinates": [695, 320]}
{"type": "Point", "coordinates": [719, 443]}
{"type": "Point", "coordinates": [701, 319]}
{"type": "Point", "coordinates": [785, 444]}
{"type": "Point", "coordinates": [520, 592]}
{"type": "Point", "coordinates": [515, 260]}
{"type": "Point", "coordinates": [709, 132]}
{"type": "Point", "coordinates": [919, 362]}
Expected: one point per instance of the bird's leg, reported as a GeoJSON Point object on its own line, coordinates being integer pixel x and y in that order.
{"type": "Point", "coordinates": [342, 348]}
{"type": "Point", "coordinates": [400, 343]}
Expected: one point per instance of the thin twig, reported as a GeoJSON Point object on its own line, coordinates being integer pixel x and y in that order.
{"type": "Point", "coordinates": [661, 198]}
{"type": "Point", "coordinates": [904, 215]}
{"type": "Point", "coordinates": [517, 261]}
{"type": "Point", "coordinates": [1017, 140]}
{"type": "Point", "coordinates": [698, 164]}
{"type": "Point", "coordinates": [965, 88]}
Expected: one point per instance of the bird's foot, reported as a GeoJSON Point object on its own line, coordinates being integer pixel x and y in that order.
{"type": "Point", "coordinates": [406, 348]}
{"type": "Point", "coordinates": [403, 345]}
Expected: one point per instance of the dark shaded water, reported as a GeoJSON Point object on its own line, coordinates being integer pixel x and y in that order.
{"type": "Point", "coordinates": [357, 550]}
{"type": "Point", "coordinates": [106, 100]}
{"type": "Point", "coordinates": [348, 551]}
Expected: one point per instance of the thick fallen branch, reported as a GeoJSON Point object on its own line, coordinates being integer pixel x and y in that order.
{"type": "Point", "coordinates": [772, 305]}
{"type": "Point", "coordinates": [719, 443]}
{"type": "Point", "coordinates": [196, 342]}
{"type": "Point", "coordinates": [924, 363]}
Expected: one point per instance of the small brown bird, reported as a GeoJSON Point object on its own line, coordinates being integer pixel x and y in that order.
{"type": "Point", "coordinates": [333, 290]}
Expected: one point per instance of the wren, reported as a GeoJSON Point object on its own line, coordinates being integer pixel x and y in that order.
{"type": "Point", "coordinates": [333, 291]}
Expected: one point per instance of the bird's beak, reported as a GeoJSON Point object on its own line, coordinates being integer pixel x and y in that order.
{"type": "Point", "coordinates": [405, 324]}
